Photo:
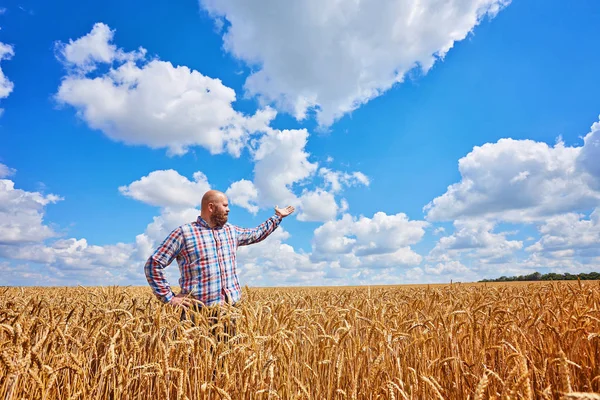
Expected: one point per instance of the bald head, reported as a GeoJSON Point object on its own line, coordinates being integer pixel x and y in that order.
{"type": "Point", "coordinates": [215, 208]}
{"type": "Point", "coordinates": [212, 196]}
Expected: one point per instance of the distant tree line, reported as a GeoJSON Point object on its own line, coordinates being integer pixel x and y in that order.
{"type": "Point", "coordinates": [536, 276]}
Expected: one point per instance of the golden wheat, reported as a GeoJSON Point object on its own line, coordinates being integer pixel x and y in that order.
{"type": "Point", "coordinates": [478, 341]}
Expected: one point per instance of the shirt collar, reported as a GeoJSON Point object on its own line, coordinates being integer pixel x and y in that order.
{"type": "Point", "coordinates": [202, 222]}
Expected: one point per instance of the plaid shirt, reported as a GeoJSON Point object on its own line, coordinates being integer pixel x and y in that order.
{"type": "Point", "coordinates": [207, 260]}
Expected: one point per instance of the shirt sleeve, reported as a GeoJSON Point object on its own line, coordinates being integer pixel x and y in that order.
{"type": "Point", "coordinates": [246, 236]}
{"type": "Point", "coordinates": [162, 257]}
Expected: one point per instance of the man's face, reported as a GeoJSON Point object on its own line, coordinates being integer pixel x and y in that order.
{"type": "Point", "coordinates": [219, 210]}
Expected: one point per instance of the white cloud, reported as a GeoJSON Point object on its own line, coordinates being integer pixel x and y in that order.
{"type": "Point", "coordinates": [21, 214]}
{"type": "Point", "coordinates": [244, 194]}
{"type": "Point", "coordinates": [180, 200]}
{"type": "Point", "coordinates": [523, 181]}
{"type": "Point", "coordinates": [568, 243]}
{"type": "Point", "coordinates": [518, 181]}
{"type": "Point", "coordinates": [272, 261]}
{"type": "Point", "coordinates": [318, 205]}
{"type": "Point", "coordinates": [281, 161]}
{"type": "Point", "coordinates": [6, 86]}
{"type": "Point", "coordinates": [5, 171]}
{"type": "Point", "coordinates": [520, 177]}
{"type": "Point", "coordinates": [24, 274]}
{"type": "Point", "coordinates": [403, 256]}
{"type": "Point", "coordinates": [569, 235]}
{"type": "Point", "coordinates": [590, 154]}
{"type": "Point", "coordinates": [450, 268]}
{"type": "Point", "coordinates": [333, 56]}
{"type": "Point", "coordinates": [559, 262]}
{"type": "Point", "coordinates": [151, 102]}
{"type": "Point", "coordinates": [85, 53]}
{"type": "Point", "coordinates": [24, 235]}
{"type": "Point", "coordinates": [282, 168]}
{"type": "Point", "coordinates": [161, 106]}
{"type": "Point", "coordinates": [335, 180]}
{"type": "Point", "coordinates": [167, 188]}
{"type": "Point", "coordinates": [381, 241]}
{"type": "Point", "coordinates": [474, 239]}
{"type": "Point", "coordinates": [344, 206]}
{"type": "Point", "coordinates": [168, 220]}
{"type": "Point", "coordinates": [79, 254]}
{"type": "Point", "coordinates": [76, 261]}
{"type": "Point", "coordinates": [414, 275]}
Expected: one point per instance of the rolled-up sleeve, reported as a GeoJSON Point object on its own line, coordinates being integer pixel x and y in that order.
{"type": "Point", "coordinates": [159, 260]}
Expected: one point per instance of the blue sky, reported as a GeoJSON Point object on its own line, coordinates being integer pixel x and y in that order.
{"type": "Point", "coordinates": [420, 141]}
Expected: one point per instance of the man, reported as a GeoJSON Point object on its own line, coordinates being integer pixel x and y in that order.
{"type": "Point", "coordinates": [206, 254]}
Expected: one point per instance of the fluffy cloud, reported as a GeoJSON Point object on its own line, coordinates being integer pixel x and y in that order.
{"type": "Point", "coordinates": [84, 54]}
{"type": "Point", "coordinates": [281, 161]}
{"type": "Point", "coordinates": [244, 194]}
{"type": "Point", "coordinates": [24, 274]}
{"type": "Point", "coordinates": [23, 237]}
{"type": "Point", "coordinates": [333, 56]}
{"type": "Point", "coordinates": [557, 262]}
{"type": "Point", "coordinates": [167, 188]}
{"type": "Point", "coordinates": [520, 181]}
{"type": "Point", "coordinates": [381, 241]}
{"type": "Point", "coordinates": [153, 103]}
{"type": "Point", "coordinates": [142, 101]}
{"type": "Point", "coordinates": [33, 258]}
{"type": "Point", "coordinates": [5, 171]}
{"type": "Point", "coordinates": [77, 254]}
{"type": "Point", "coordinates": [274, 261]}
{"type": "Point", "coordinates": [448, 268]}
{"type": "Point", "coordinates": [569, 235]}
{"type": "Point", "coordinates": [336, 180]}
{"type": "Point", "coordinates": [590, 154]}
{"type": "Point", "coordinates": [166, 221]}
{"type": "Point", "coordinates": [29, 257]}
{"type": "Point", "coordinates": [281, 166]}
{"type": "Point", "coordinates": [318, 205]}
{"type": "Point", "coordinates": [475, 240]}
{"type": "Point", "coordinates": [179, 199]}
{"type": "Point", "coordinates": [6, 86]}
{"type": "Point", "coordinates": [22, 213]}
{"type": "Point", "coordinates": [75, 261]}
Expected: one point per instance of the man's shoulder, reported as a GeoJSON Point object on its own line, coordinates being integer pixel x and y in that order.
{"type": "Point", "coordinates": [194, 225]}
{"type": "Point", "coordinates": [230, 226]}
{"type": "Point", "coordinates": [187, 227]}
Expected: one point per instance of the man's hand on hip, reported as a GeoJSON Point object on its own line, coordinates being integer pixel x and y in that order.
{"type": "Point", "coordinates": [284, 212]}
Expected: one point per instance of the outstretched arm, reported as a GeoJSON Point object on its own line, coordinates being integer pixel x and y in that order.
{"type": "Point", "coordinates": [247, 236]}
{"type": "Point", "coordinates": [162, 257]}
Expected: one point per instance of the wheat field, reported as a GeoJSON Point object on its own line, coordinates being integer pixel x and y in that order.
{"type": "Point", "coordinates": [460, 341]}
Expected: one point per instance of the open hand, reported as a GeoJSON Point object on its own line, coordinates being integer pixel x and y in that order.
{"type": "Point", "coordinates": [284, 212]}
{"type": "Point", "coordinates": [183, 300]}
